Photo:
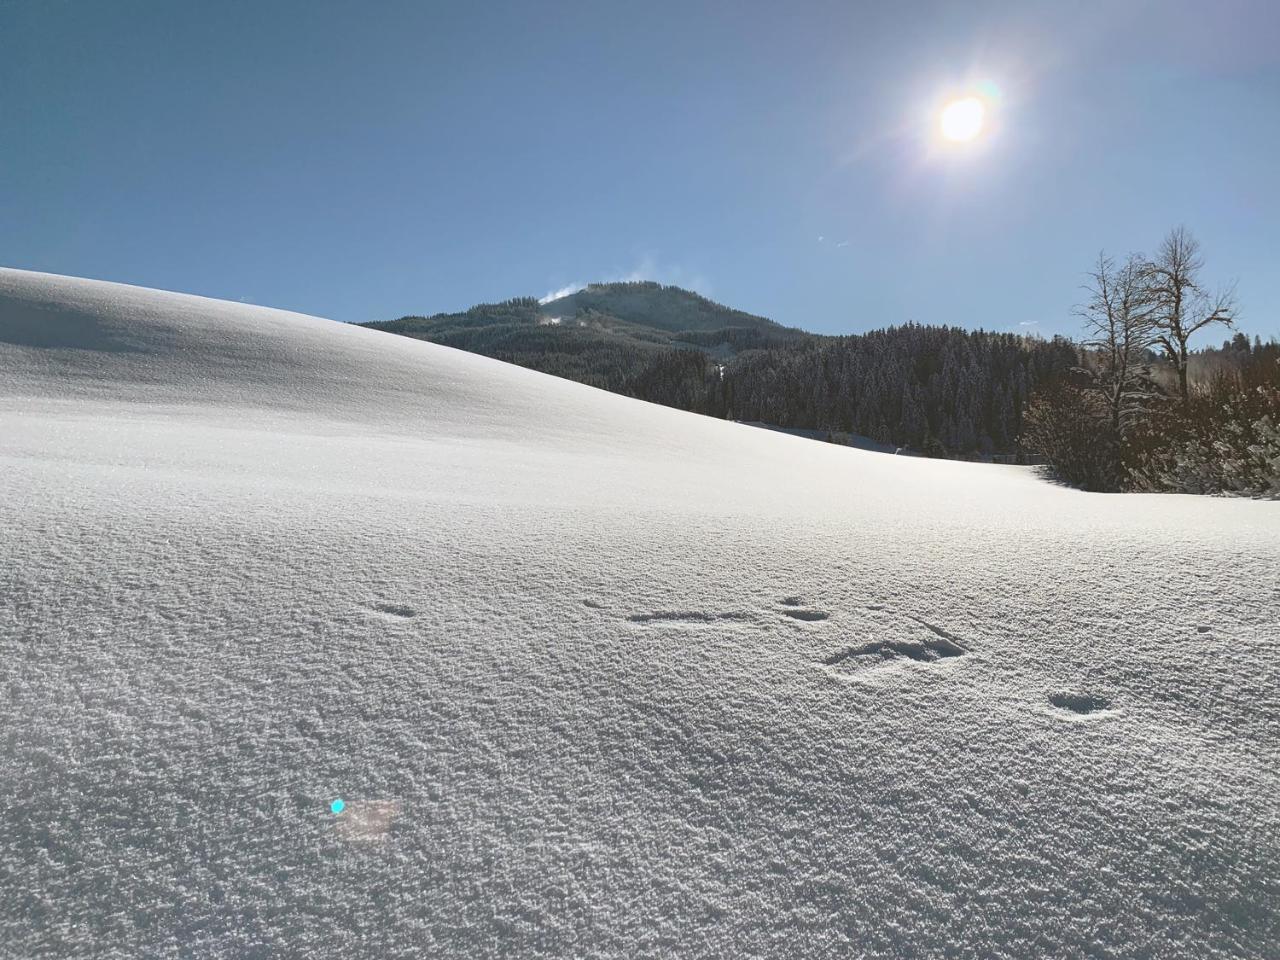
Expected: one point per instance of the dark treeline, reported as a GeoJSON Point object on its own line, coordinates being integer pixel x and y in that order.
{"type": "Point", "coordinates": [1254, 363]}
{"type": "Point", "coordinates": [943, 391]}
{"type": "Point", "coordinates": [939, 390]}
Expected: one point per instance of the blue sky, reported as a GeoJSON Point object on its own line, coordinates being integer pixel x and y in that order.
{"type": "Point", "coordinates": [368, 160]}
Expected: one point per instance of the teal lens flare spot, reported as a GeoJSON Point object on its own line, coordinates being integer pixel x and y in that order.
{"type": "Point", "coordinates": [337, 806]}
{"type": "Point", "coordinates": [989, 90]}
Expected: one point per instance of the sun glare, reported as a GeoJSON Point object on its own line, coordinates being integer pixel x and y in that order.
{"type": "Point", "coordinates": [962, 119]}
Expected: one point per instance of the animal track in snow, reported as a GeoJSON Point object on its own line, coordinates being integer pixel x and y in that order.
{"type": "Point", "coordinates": [806, 614]}
{"type": "Point", "coordinates": [936, 644]}
{"type": "Point", "coordinates": [396, 611]}
{"type": "Point", "coordinates": [1081, 704]}
{"type": "Point", "coordinates": [948, 639]}
{"type": "Point", "coordinates": [794, 607]}
{"type": "Point", "coordinates": [855, 659]}
{"type": "Point", "coordinates": [789, 606]}
{"type": "Point", "coordinates": [685, 616]}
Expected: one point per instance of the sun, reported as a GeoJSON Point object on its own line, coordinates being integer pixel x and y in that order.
{"type": "Point", "coordinates": [962, 120]}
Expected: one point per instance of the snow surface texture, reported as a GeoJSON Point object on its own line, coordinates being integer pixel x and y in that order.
{"type": "Point", "coordinates": [593, 677]}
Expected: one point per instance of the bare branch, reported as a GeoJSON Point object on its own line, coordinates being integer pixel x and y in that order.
{"type": "Point", "coordinates": [1180, 306]}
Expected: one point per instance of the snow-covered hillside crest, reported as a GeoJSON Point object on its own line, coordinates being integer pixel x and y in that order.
{"type": "Point", "coordinates": [592, 677]}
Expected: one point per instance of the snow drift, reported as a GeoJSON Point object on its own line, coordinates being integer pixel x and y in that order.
{"type": "Point", "coordinates": [592, 677]}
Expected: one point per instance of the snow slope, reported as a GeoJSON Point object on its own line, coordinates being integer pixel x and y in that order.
{"type": "Point", "coordinates": [593, 677]}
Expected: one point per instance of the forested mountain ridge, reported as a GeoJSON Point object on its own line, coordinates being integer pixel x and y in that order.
{"type": "Point", "coordinates": [643, 311]}
{"type": "Point", "coordinates": [650, 304]}
{"type": "Point", "coordinates": [937, 390]}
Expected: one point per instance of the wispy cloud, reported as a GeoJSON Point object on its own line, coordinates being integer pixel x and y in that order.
{"type": "Point", "coordinates": [566, 290]}
{"type": "Point", "coordinates": [843, 243]}
{"type": "Point", "coordinates": [1028, 323]}
{"type": "Point", "coordinates": [670, 274]}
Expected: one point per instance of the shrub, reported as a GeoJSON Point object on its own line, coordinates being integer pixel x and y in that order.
{"type": "Point", "coordinates": [1224, 440]}
{"type": "Point", "coordinates": [1069, 425]}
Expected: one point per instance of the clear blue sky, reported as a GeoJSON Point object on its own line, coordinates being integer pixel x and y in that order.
{"type": "Point", "coordinates": [368, 160]}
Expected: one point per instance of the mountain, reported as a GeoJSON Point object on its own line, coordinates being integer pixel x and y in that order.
{"type": "Point", "coordinates": [652, 304]}
{"type": "Point", "coordinates": [642, 315]}
{"type": "Point", "coordinates": [687, 318]}
{"type": "Point", "coordinates": [938, 390]}
{"type": "Point", "coordinates": [591, 677]}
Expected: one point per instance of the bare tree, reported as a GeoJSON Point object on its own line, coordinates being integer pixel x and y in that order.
{"type": "Point", "coordinates": [1120, 323]}
{"type": "Point", "coordinates": [1182, 306]}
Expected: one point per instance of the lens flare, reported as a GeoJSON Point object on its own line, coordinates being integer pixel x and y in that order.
{"type": "Point", "coordinates": [337, 806]}
{"type": "Point", "coordinates": [962, 119]}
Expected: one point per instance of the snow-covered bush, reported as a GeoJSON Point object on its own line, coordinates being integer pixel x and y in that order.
{"type": "Point", "coordinates": [1223, 441]}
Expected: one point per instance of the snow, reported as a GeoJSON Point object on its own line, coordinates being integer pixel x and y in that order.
{"type": "Point", "coordinates": [592, 677]}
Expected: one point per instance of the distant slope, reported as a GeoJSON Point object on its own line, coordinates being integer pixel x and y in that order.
{"type": "Point", "coordinates": [688, 316]}
{"type": "Point", "coordinates": [642, 340]}
{"type": "Point", "coordinates": [596, 349]}
{"type": "Point", "coordinates": [643, 314]}
{"type": "Point", "coordinates": [943, 391]}
{"type": "Point", "coordinates": [652, 304]}
{"type": "Point", "coordinates": [592, 677]}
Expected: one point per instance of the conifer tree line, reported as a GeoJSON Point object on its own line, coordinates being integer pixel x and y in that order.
{"type": "Point", "coordinates": [1142, 410]}
{"type": "Point", "coordinates": [937, 390]}
{"type": "Point", "coordinates": [943, 391]}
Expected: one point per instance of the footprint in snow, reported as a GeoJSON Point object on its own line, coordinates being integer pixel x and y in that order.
{"type": "Point", "coordinates": [795, 608]}
{"type": "Point", "coordinates": [1079, 704]}
{"type": "Point", "coordinates": [397, 611]}
{"type": "Point", "coordinates": [789, 607]}
{"type": "Point", "coordinates": [920, 646]}
{"type": "Point", "coordinates": [686, 617]}
{"type": "Point", "coordinates": [806, 614]}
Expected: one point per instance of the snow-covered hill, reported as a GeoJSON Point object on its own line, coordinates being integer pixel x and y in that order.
{"type": "Point", "coordinates": [592, 677]}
